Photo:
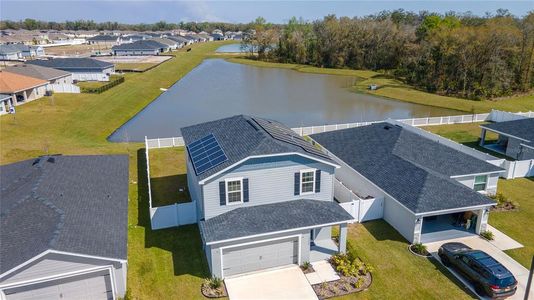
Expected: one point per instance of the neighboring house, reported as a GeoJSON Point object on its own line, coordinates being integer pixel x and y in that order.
{"type": "Point", "coordinates": [427, 191]}
{"type": "Point", "coordinates": [82, 69]}
{"type": "Point", "coordinates": [180, 40]}
{"type": "Point", "coordinates": [64, 223]}
{"type": "Point", "coordinates": [10, 52]}
{"type": "Point", "coordinates": [264, 195]}
{"type": "Point", "coordinates": [104, 40]}
{"type": "Point", "coordinates": [193, 38]}
{"type": "Point", "coordinates": [21, 88]}
{"type": "Point", "coordinates": [217, 37]}
{"type": "Point", "coordinates": [516, 138]}
{"type": "Point", "coordinates": [5, 103]}
{"type": "Point", "coordinates": [137, 37]}
{"type": "Point", "coordinates": [58, 81]}
{"type": "Point", "coordinates": [144, 47]}
{"type": "Point", "coordinates": [172, 44]}
{"type": "Point", "coordinates": [30, 51]}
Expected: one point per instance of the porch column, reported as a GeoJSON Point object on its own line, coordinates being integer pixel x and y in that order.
{"type": "Point", "coordinates": [342, 238]}
{"type": "Point", "coordinates": [482, 220]}
{"type": "Point", "coordinates": [482, 137]}
{"type": "Point", "coordinates": [14, 99]}
{"type": "Point", "coordinates": [418, 228]}
{"type": "Point", "coordinates": [25, 95]}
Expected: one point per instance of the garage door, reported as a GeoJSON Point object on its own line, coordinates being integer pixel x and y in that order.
{"type": "Point", "coordinates": [243, 259]}
{"type": "Point", "coordinates": [90, 286]}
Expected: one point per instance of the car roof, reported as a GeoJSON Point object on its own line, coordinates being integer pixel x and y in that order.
{"type": "Point", "coordinates": [495, 267]}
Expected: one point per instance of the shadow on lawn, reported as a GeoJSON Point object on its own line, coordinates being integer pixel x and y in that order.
{"type": "Point", "coordinates": [183, 242]}
{"type": "Point", "coordinates": [166, 190]}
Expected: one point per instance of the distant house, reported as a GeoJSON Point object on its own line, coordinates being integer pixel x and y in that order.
{"type": "Point", "coordinates": [193, 38]}
{"type": "Point", "coordinates": [173, 45]}
{"type": "Point", "coordinates": [10, 52]}
{"type": "Point", "coordinates": [217, 36]}
{"type": "Point", "coordinates": [59, 81]}
{"type": "Point", "coordinates": [137, 37]}
{"type": "Point", "coordinates": [144, 47]}
{"type": "Point", "coordinates": [29, 51]}
{"type": "Point", "coordinates": [82, 69]}
{"type": "Point", "coordinates": [104, 40]}
{"type": "Point", "coordinates": [180, 40]}
{"type": "Point", "coordinates": [516, 138]}
{"type": "Point", "coordinates": [64, 223]}
{"type": "Point", "coordinates": [21, 88]}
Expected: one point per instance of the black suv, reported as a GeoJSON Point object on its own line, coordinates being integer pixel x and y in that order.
{"type": "Point", "coordinates": [489, 277]}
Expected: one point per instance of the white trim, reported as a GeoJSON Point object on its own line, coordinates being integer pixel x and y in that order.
{"type": "Point", "coordinates": [453, 210]}
{"type": "Point", "coordinates": [506, 134]}
{"type": "Point", "coordinates": [485, 182]}
{"type": "Point", "coordinates": [313, 182]}
{"type": "Point", "coordinates": [477, 174]}
{"type": "Point", "coordinates": [63, 276]}
{"type": "Point", "coordinates": [201, 182]}
{"type": "Point", "coordinates": [298, 236]}
{"type": "Point", "coordinates": [277, 232]}
{"type": "Point", "coordinates": [31, 260]}
{"type": "Point", "coordinates": [240, 179]}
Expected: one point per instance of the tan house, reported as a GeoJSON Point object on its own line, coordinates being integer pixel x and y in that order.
{"type": "Point", "coordinates": [59, 81]}
{"type": "Point", "coordinates": [21, 88]}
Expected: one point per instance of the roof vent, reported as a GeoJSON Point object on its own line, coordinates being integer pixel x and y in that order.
{"type": "Point", "coordinates": [36, 161]}
{"type": "Point", "coordinates": [387, 127]}
{"type": "Point", "coordinates": [51, 160]}
{"type": "Point", "coordinates": [252, 124]}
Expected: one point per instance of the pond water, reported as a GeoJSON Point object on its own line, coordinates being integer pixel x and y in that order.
{"type": "Point", "coordinates": [218, 89]}
{"type": "Point", "coordinates": [231, 48]}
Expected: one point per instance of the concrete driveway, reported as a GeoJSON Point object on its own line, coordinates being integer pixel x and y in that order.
{"type": "Point", "coordinates": [285, 283]}
{"type": "Point", "coordinates": [476, 242]}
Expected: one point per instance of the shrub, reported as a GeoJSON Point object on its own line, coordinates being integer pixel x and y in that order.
{"type": "Point", "coordinates": [488, 235]}
{"type": "Point", "coordinates": [214, 282]}
{"type": "Point", "coordinates": [419, 249]}
{"type": "Point", "coordinates": [103, 88]}
{"type": "Point", "coordinates": [367, 268]}
{"type": "Point", "coordinates": [358, 284]}
{"type": "Point", "coordinates": [306, 265]}
{"type": "Point", "coordinates": [348, 266]}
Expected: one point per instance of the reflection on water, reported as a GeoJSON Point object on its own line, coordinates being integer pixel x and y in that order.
{"type": "Point", "coordinates": [218, 89]}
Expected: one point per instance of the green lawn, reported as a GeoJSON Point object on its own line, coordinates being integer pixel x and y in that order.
{"type": "Point", "coordinates": [395, 89]}
{"type": "Point", "coordinates": [133, 66]}
{"type": "Point", "coordinates": [168, 175]}
{"type": "Point", "coordinates": [399, 274]}
{"type": "Point", "coordinates": [96, 84]}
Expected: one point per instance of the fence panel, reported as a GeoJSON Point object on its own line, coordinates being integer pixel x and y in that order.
{"type": "Point", "coordinates": [163, 217]}
{"type": "Point", "coordinates": [503, 116]}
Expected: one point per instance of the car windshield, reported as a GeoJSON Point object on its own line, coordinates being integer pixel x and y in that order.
{"type": "Point", "coordinates": [506, 281]}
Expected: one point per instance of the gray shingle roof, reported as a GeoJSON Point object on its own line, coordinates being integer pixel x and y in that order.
{"type": "Point", "coordinates": [103, 37]}
{"type": "Point", "coordinates": [71, 63]}
{"type": "Point", "coordinates": [523, 129]}
{"type": "Point", "coordinates": [75, 204]}
{"type": "Point", "coordinates": [9, 49]}
{"type": "Point", "coordinates": [240, 137]}
{"type": "Point", "coordinates": [178, 38]}
{"type": "Point", "coordinates": [269, 218]}
{"type": "Point", "coordinates": [141, 45]}
{"type": "Point", "coordinates": [36, 71]}
{"type": "Point", "coordinates": [411, 168]}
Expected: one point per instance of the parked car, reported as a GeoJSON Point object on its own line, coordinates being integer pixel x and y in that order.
{"type": "Point", "coordinates": [489, 277]}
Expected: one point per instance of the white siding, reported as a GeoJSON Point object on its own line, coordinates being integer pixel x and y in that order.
{"type": "Point", "coordinates": [491, 186]}
{"type": "Point", "coordinates": [399, 218]}
{"type": "Point", "coordinates": [271, 180]}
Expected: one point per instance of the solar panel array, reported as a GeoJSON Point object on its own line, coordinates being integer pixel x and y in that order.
{"type": "Point", "coordinates": [284, 134]}
{"type": "Point", "coordinates": [206, 153]}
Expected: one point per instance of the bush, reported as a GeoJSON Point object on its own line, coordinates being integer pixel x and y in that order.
{"type": "Point", "coordinates": [214, 282]}
{"type": "Point", "coordinates": [488, 235]}
{"type": "Point", "coordinates": [306, 265]}
{"type": "Point", "coordinates": [349, 266]}
{"type": "Point", "coordinates": [419, 249]}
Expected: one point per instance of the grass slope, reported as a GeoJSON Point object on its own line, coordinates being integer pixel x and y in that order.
{"type": "Point", "coordinates": [395, 89]}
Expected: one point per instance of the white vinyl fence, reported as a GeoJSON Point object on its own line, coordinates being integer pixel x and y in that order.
{"type": "Point", "coordinates": [169, 215]}
{"type": "Point", "coordinates": [64, 88]}
{"type": "Point", "coordinates": [360, 209]}
{"type": "Point", "coordinates": [518, 169]}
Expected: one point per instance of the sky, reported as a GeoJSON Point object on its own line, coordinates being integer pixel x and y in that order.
{"type": "Point", "coordinates": [149, 11]}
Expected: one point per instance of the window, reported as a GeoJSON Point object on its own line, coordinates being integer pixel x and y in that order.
{"type": "Point", "coordinates": [480, 183]}
{"type": "Point", "coordinates": [234, 191]}
{"type": "Point", "coordinates": [307, 182]}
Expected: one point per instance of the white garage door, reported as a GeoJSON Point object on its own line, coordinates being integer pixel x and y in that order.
{"type": "Point", "coordinates": [91, 286]}
{"type": "Point", "coordinates": [243, 259]}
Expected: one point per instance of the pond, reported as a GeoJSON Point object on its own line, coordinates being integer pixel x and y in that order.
{"type": "Point", "coordinates": [231, 48]}
{"type": "Point", "coordinates": [218, 89]}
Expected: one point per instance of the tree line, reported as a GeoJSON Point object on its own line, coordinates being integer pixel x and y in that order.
{"type": "Point", "coordinates": [32, 24]}
{"type": "Point", "coordinates": [453, 54]}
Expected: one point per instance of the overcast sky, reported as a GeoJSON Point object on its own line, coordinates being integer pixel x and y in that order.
{"type": "Point", "coordinates": [148, 11]}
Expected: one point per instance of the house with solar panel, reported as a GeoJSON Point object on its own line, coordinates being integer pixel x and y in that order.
{"type": "Point", "coordinates": [264, 195]}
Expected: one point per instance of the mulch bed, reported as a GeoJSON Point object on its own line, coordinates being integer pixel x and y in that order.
{"type": "Point", "coordinates": [308, 270]}
{"type": "Point", "coordinates": [208, 292]}
{"type": "Point", "coordinates": [343, 286]}
{"type": "Point", "coordinates": [412, 250]}
{"type": "Point", "coordinates": [508, 206]}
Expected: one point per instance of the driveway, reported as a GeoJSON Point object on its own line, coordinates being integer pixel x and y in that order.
{"type": "Point", "coordinates": [476, 242]}
{"type": "Point", "coordinates": [286, 283]}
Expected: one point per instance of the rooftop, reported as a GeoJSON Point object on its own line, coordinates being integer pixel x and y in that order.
{"type": "Point", "coordinates": [36, 71]}
{"type": "Point", "coordinates": [411, 168]}
{"type": "Point", "coordinates": [243, 136]}
{"type": "Point", "coordinates": [522, 129]}
{"type": "Point", "coordinates": [12, 82]}
{"type": "Point", "coordinates": [269, 218]}
{"type": "Point", "coordinates": [141, 45]}
{"type": "Point", "coordinates": [75, 204]}
{"type": "Point", "coordinates": [71, 63]}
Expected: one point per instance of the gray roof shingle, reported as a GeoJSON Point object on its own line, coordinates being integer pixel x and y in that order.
{"type": "Point", "coordinates": [36, 71]}
{"type": "Point", "coordinates": [270, 218]}
{"type": "Point", "coordinates": [75, 204]}
{"type": "Point", "coordinates": [140, 45]}
{"type": "Point", "coordinates": [72, 63]}
{"type": "Point", "coordinates": [411, 168]}
{"type": "Point", "coordinates": [241, 136]}
{"type": "Point", "coordinates": [523, 129]}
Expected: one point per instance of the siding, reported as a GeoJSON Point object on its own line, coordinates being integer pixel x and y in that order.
{"type": "Point", "coordinates": [399, 218]}
{"type": "Point", "coordinates": [194, 187]}
{"type": "Point", "coordinates": [491, 186]}
{"type": "Point", "coordinates": [513, 148]}
{"type": "Point", "coordinates": [271, 180]}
